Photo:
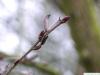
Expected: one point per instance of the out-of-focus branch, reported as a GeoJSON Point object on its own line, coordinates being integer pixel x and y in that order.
{"type": "Point", "coordinates": [27, 62]}
{"type": "Point", "coordinates": [41, 40]}
{"type": "Point", "coordinates": [41, 67]}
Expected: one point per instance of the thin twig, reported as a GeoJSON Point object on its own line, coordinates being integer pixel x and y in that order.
{"type": "Point", "coordinates": [41, 40]}
{"type": "Point", "coordinates": [58, 23]}
{"type": "Point", "coordinates": [19, 60]}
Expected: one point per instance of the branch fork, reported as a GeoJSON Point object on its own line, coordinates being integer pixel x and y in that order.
{"type": "Point", "coordinates": [41, 39]}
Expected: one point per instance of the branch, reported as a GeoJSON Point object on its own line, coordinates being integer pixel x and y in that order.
{"type": "Point", "coordinates": [41, 40]}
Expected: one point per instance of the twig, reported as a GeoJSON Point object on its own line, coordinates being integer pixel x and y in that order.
{"type": "Point", "coordinates": [19, 60]}
{"type": "Point", "coordinates": [41, 40]}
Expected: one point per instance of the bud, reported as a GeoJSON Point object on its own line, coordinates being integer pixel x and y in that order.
{"type": "Point", "coordinates": [66, 18]}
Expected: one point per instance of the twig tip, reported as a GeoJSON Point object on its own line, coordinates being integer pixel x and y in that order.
{"type": "Point", "coordinates": [65, 19]}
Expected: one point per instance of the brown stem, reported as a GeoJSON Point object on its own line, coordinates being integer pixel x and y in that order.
{"type": "Point", "coordinates": [42, 38]}
{"type": "Point", "coordinates": [58, 23]}
{"type": "Point", "coordinates": [19, 60]}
